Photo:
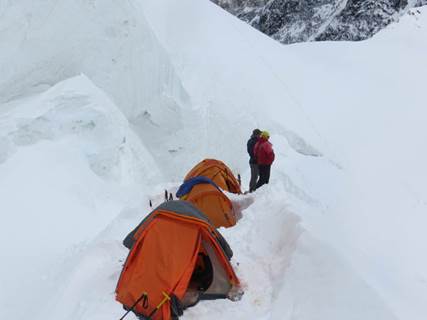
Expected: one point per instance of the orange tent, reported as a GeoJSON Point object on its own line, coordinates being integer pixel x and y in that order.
{"type": "Point", "coordinates": [176, 259]}
{"type": "Point", "coordinates": [218, 172]}
{"type": "Point", "coordinates": [213, 203]}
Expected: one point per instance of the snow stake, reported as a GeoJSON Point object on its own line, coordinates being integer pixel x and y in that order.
{"type": "Point", "coordinates": [166, 298]}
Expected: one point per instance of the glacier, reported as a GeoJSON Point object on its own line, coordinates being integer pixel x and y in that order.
{"type": "Point", "coordinates": [103, 105]}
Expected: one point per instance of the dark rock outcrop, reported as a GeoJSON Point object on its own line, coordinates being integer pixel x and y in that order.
{"type": "Point", "coordinates": [290, 21]}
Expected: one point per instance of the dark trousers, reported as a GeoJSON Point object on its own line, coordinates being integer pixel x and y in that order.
{"type": "Point", "coordinates": [254, 176]}
{"type": "Point", "coordinates": [264, 175]}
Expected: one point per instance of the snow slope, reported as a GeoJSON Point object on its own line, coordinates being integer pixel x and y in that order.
{"type": "Point", "coordinates": [338, 232]}
{"type": "Point", "coordinates": [69, 162]}
{"type": "Point", "coordinates": [360, 104]}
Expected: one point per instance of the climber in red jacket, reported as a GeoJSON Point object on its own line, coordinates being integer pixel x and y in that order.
{"type": "Point", "coordinates": [264, 155]}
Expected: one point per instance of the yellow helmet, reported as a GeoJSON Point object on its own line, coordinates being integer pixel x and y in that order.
{"type": "Point", "coordinates": [265, 134]}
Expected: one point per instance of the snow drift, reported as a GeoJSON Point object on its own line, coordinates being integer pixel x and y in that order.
{"type": "Point", "coordinates": [69, 163]}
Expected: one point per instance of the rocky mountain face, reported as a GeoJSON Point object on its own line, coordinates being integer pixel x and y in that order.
{"type": "Point", "coordinates": [290, 21]}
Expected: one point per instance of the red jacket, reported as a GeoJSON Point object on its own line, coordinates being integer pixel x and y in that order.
{"type": "Point", "coordinates": [263, 151]}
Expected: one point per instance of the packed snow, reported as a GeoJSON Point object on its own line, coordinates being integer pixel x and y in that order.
{"type": "Point", "coordinates": [103, 105]}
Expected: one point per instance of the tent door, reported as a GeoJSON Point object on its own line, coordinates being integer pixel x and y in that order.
{"type": "Point", "coordinates": [209, 280]}
{"type": "Point", "coordinates": [220, 285]}
{"type": "Point", "coordinates": [200, 281]}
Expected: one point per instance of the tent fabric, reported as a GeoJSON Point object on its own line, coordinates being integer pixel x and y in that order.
{"type": "Point", "coordinates": [218, 172]}
{"type": "Point", "coordinates": [186, 187]}
{"type": "Point", "coordinates": [178, 207]}
{"type": "Point", "coordinates": [186, 209]}
{"type": "Point", "coordinates": [151, 258]}
{"type": "Point", "coordinates": [163, 257]}
{"type": "Point", "coordinates": [214, 204]}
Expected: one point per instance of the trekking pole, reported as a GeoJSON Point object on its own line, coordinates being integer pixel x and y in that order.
{"type": "Point", "coordinates": [166, 298]}
{"type": "Point", "coordinates": [145, 304]}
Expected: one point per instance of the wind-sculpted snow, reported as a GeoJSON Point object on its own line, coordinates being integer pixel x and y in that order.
{"type": "Point", "coordinates": [246, 93]}
{"type": "Point", "coordinates": [44, 42]}
{"type": "Point", "coordinates": [75, 109]}
{"type": "Point", "coordinates": [114, 45]}
{"type": "Point", "coordinates": [69, 163]}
